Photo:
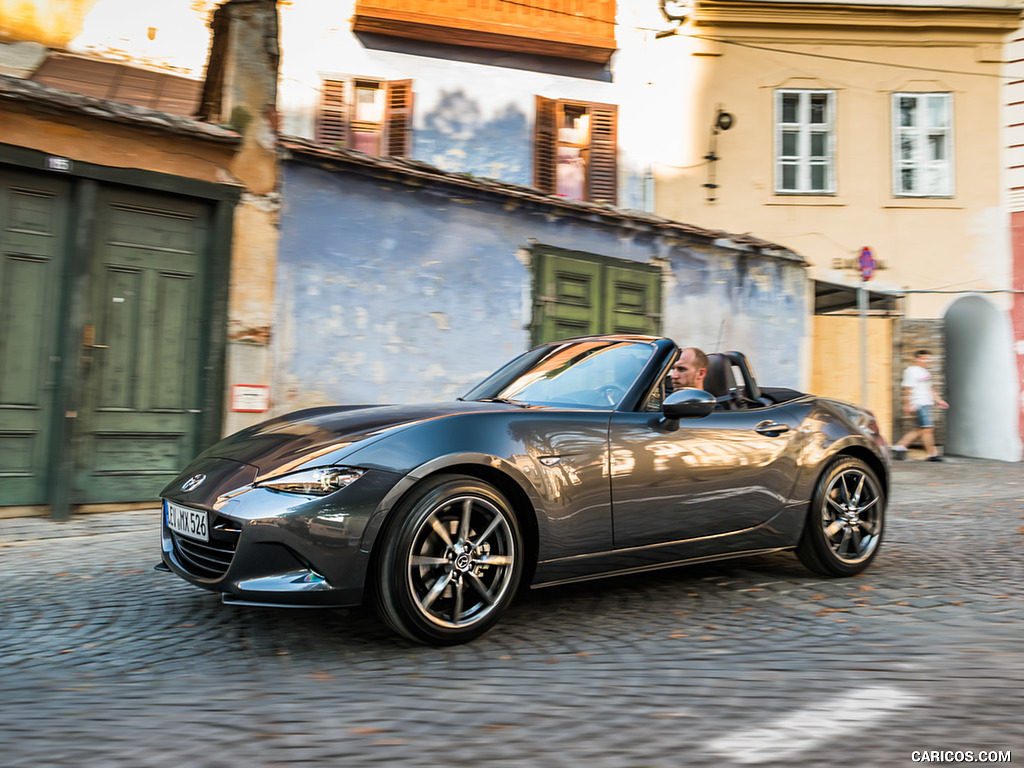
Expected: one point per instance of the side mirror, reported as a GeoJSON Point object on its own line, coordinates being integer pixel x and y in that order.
{"type": "Point", "coordinates": [688, 404]}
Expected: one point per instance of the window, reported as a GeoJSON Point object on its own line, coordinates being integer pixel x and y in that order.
{"type": "Point", "coordinates": [371, 116]}
{"type": "Point", "coordinates": [575, 150]}
{"type": "Point", "coordinates": [804, 142]}
{"type": "Point", "coordinates": [922, 144]}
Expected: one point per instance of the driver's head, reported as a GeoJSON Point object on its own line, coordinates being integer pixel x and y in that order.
{"type": "Point", "coordinates": [690, 369]}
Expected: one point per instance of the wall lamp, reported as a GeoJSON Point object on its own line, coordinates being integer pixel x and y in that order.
{"type": "Point", "coordinates": [723, 122]}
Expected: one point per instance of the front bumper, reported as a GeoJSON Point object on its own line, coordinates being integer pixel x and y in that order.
{"type": "Point", "coordinates": [272, 548]}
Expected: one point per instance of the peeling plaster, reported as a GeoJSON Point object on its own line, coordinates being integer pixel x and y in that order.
{"type": "Point", "coordinates": [444, 293]}
{"type": "Point", "coordinates": [267, 203]}
{"type": "Point", "coordinates": [252, 335]}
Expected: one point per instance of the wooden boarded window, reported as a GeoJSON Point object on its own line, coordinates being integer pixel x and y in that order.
{"type": "Point", "coordinates": [371, 116]}
{"type": "Point", "coordinates": [578, 294]}
{"type": "Point", "coordinates": [575, 149]}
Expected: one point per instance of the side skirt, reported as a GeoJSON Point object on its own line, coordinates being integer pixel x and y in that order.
{"type": "Point", "coordinates": [605, 574]}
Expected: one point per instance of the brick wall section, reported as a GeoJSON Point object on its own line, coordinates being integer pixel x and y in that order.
{"type": "Point", "coordinates": [910, 336]}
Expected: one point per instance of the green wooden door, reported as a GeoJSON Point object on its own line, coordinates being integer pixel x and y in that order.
{"type": "Point", "coordinates": [33, 238]}
{"type": "Point", "coordinates": [576, 294]}
{"type": "Point", "coordinates": [139, 410]}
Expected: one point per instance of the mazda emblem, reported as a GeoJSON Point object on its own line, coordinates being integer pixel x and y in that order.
{"type": "Point", "coordinates": [192, 483]}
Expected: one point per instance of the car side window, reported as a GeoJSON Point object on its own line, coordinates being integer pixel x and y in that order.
{"type": "Point", "coordinates": [655, 401]}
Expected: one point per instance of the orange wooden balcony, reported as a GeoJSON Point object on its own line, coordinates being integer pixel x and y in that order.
{"type": "Point", "coordinates": [571, 29]}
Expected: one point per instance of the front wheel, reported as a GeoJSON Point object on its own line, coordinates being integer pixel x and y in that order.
{"type": "Point", "coordinates": [451, 561]}
{"type": "Point", "coordinates": [846, 521]}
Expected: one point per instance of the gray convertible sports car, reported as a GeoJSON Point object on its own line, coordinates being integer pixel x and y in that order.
{"type": "Point", "coordinates": [571, 462]}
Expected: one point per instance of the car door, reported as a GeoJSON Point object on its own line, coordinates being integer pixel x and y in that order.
{"type": "Point", "coordinates": [726, 472]}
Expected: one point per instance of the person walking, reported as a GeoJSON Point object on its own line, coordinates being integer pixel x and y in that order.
{"type": "Point", "coordinates": [918, 399]}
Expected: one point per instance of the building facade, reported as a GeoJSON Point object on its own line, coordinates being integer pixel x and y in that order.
{"type": "Point", "coordinates": [516, 99]}
{"type": "Point", "coordinates": [832, 127]}
{"type": "Point", "coordinates": [134, 239]}
{"type": "Point", "coordinates": [432, 193]}
{"type": "Point", "coordinates": [1013, 120]}
{"type": "Point", "coordinates": [399, 282]}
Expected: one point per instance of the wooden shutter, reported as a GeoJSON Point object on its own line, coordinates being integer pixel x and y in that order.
{"type": "Point", "coordinates": [545, 145]}
{"type": "Point", "coordinates": [332, 122]}
{"type": "Point", "coordinates": [398, 119]}
{"type": "Point", "coordinates": [632, 299]}
{"type": "Point", "coordinates": [602, 170]}
{"type": "Point", "coordinates": [567, 297]}
{"type": "Point", "coordinates": [577, 293]}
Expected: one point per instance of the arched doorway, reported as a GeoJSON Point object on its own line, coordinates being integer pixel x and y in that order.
{"type": "Point", "coordinates": [981, 378]}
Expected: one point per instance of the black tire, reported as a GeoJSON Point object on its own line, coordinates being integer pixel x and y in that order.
{"type": "Point", "coordinates": [450, 563]}
{"type": "Point", "coordinates": [846, 521]}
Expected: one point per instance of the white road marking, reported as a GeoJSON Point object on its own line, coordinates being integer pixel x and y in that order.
{"type": "Point", "coordinates": [809, 727]}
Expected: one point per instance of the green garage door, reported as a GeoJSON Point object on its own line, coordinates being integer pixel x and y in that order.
{"type": "Point", "coordinates": [33, 241]}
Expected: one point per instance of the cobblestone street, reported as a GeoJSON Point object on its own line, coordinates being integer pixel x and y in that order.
{"type": "Point", "coordinates": [755, 662]}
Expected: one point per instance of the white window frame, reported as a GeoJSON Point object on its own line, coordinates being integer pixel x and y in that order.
{"type": "Point", "coordinates": [936, 177]}
{"type": "Point", "coordinates": [802, 160]}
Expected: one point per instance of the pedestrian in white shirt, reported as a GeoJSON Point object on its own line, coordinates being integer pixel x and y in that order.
{"type": "Point", "coordinates": [918, 399]}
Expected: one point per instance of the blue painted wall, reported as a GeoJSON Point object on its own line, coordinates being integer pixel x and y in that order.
{"type": "Point", "coordinates": [392, 293]}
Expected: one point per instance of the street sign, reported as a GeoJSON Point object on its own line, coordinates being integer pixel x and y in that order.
{"type": "Point", "coordinates": [867, 263]}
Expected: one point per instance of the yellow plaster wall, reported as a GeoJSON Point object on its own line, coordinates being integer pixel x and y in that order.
{"type": "Point", "coordinates": [926, 243]}
{"type": "Point", "coordinates": [54, 23]}
{"type": "Point", "coordinates": [104, 143]}
{"type": "Point", "coordinates": [253, 266]}
{"type": "Point", "coordinates": [164, 34]}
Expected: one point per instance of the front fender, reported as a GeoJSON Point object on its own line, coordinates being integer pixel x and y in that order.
{"type": "Point", "coordinates": [558, 459]}
{"type": "Point", "coordinates": [455, 463]}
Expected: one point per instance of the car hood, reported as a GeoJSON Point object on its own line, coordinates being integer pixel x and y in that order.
{"type": "Point", "coordinates": [296, 439]}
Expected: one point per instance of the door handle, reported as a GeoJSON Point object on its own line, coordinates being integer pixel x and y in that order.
{"type": "Point", "coordinates": [771, 428]}
{"type": "Point", "coordinates": [89, 338]}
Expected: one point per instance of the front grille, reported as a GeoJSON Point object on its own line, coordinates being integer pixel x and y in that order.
{"type": "Point", "coordinates": [208, 560]}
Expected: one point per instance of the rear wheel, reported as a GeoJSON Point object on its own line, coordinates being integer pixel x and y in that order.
{"type": "Point", "coordinates": [846, 521]}
{"type": "Point", "coordinates": [451, 561]}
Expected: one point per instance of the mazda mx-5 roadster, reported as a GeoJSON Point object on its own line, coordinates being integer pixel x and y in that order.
{"type": "Point", "coordinates": [573, 461]}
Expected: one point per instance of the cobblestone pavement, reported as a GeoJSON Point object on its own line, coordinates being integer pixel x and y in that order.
{"type": "Point", "coordinates": [108, 663]}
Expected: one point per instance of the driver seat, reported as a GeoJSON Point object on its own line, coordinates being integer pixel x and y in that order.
{"type": "Point", "coordinates": [719, 381]}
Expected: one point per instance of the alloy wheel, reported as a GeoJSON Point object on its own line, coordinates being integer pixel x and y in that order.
{"type": "Point", "coordinates": [461, 562]}
{"type": "Point", "coordinates": [851, 515]}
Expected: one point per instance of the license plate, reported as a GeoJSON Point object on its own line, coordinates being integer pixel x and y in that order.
{"type": "Point", "coordinates": [187, 522]}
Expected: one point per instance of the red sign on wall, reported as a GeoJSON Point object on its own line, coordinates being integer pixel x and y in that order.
{"type": "Point", "coordinates": [250, 398]}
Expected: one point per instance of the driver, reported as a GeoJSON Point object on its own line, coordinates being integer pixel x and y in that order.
{"type": "Point", "coordinates": [689, 370]}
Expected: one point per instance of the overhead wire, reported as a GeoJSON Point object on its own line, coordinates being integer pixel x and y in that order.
{"type": "Point", "coordinates": [770, 49]}
{"type": "Point", "coordinates": [850, 60]}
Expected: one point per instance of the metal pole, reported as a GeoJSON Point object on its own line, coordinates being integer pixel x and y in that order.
{"type": "Point", "coordinates": [862, 310]}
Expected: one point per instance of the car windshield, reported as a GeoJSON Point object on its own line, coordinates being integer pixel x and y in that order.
{"type": "Point", "coordinates": [591, 374]}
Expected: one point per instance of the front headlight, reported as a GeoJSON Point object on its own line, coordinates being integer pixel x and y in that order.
{"type": "Point", "coordinates": [314, 482]}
